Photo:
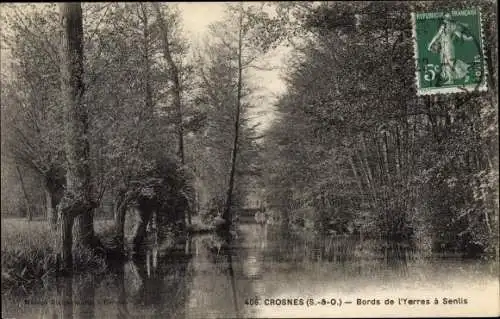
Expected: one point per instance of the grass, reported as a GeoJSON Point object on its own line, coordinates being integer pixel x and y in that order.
{"type": "Point", "coordinates": [29, 250]}
{"type": "Point", "coordinates": [29, 254]}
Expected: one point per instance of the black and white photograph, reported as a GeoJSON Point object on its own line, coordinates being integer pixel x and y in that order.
{"type": "Point", "coordinates": [260, 159]}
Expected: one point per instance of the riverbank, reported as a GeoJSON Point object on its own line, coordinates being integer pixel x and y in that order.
{"type": "Point", "coordinates": [28, 251]}
{"type": "Point", "coordinates": [198, 280]}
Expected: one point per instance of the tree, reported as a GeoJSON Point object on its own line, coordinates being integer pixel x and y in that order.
{"type": "Point", "coordinates": [175, 77]}
{"type": "Point", "coordinates": [226, 215]}
{"type": "Point", "coordinates": [131, 120]}
{"type": "Point", "coordinates": [225, 90]}
{"type": "Point", "coordinates": [168, 40]}
{"type": "Point", "coordinates": [29, 205]}
{"type": "Point", "coordinates": [77, 201]}
{"type": "Point", "coordinates": [388, 164]}
{"type": "Point", "coordinates": [125, 93]}
{"type": "Point", "coordinates": [31, 89]}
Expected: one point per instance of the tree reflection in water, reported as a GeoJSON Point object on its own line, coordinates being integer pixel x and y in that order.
{"type": "Point", "coordinates": [211, 279]}
{"type": "Point", "coordinates": [121, 304]}
{"type": "Point", "coordinates": [227, 251]}
{"type": "Point", "coordinates": [162, 290]}
{"type": "Point", "coordinates": [220, 267]}
{"type": "Point", "coordinates": [84, 298]}
{"type": "Point", "coordinates": [66, 298]}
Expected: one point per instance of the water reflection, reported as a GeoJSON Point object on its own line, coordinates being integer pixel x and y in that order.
{"type": "Point", "coordinates": [216, 268]}
{"type": "Point", "coordinates": [66, 303]}
{"type": "Point", "coordinates": [73, 298]}
{"type": "Point", "coordinates": [228, 253]}
{"type": "Point", "coordinates": [158, 282]}
{"type": "Point", "coordinates": [84, 298]}
{"type": "Point", "coordinates": [209, 277]}
{"type": "Point", "coordinates": [121, 304]}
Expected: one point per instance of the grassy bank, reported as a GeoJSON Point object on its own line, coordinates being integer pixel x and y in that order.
{"type": "Point", "coordinates": [29, 254]}
{"type": "Point", "coordinates": [29, 250]}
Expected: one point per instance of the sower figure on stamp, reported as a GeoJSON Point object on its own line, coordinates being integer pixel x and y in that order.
{"type": "Point", "coordinates": [442, 43]}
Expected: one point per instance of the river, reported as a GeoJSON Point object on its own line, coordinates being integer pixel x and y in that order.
{"type": "Point", "coordinates": [264, 275]}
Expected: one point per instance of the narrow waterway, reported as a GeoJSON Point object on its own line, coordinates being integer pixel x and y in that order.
{"type": "Point", "coordinates": [266, 275]}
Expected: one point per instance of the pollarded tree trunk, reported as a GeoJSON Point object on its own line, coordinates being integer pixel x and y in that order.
{"type": "Point", "coordinates": [77, 198]}
{"type": "Point", "coordinates": [84, 229]}
{"type": "Point", "coordinates": [26, 198]}
{"type": "Point", "coordinates": [52, 198]}
{"type": "Point", "coordinates": [66, 221]}
{"type": "Point", "coordinates": [120, 214]}
{"type": "Point", "coordinates": [51, 209]}
{"type": "Point", "coordinates": [144, 213]}
{"type": "Point", "coordinates": [54, 184]}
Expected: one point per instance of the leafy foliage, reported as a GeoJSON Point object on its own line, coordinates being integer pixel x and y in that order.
{"type": "Point", "coordinates": [366, 154]}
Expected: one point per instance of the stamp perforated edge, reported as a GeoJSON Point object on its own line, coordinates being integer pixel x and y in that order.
{"type": "Point", "coordinates": [482, 87]}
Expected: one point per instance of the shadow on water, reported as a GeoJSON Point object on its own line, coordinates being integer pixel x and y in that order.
{"type": "Point", "coordinates": [74, 297]}
{"type": "Point", "coordinates": [159, 282]}
{"type": "Point", "coordinates": [152, 285]}
{"type": "Point", "coordinates": [84, 298]}
{"type": "Point", "coordinates": [66, 303]}
{"type": "Point", "coordinates": [347, 252]}
{"type": "Point", "coordinates": [221, 266]}
{"type": "Point", "coordinates": [227, 251]}
{"type": "Point", "coordinates": [121, 303]}
{"type": "Point", "coordinates": [220, 251]}
{"type": "Point", "coordinates": [207, 276]}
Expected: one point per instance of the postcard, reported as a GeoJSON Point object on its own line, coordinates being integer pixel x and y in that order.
{"type": "Point", "coordinates": [300, 159]}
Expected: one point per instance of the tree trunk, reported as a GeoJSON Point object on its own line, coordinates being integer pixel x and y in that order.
{"type": "Point", "coordinates": [356, 175]}
{"type": "Point", "coordinates": [144, 213]}
{"type": "Point", "coordinates": [120, 214]}
{"type": "Point", "coordinates": [77, 202]}
{"type": "Point", "coordinates": [28, 203]}
{"type": "Point", "coordinates": [53, 195]}
{"type": "Point", "coordinates": [148, 98]}
{"type": "Point", "coordinates": [66, 240]}
{"type": "Point", "coordinates": [177, 89]}
{"type": "Point", "coordinates": [51, 210]}
{"type": "Point", "coordinates": [175, 78]}
{"type": "Point", "coordinates": [227, 214]}
{"type": "Point", "coordinates": [84, 229]}
{"type": "Point", "coordinates": [189, 219]}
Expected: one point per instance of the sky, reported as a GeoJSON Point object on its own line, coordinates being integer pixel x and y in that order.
{"type": "Point", "coordinates": [197, 16]}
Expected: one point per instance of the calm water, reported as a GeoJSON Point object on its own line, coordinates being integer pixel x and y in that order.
{"type": "Point", "coordinates": [205, 280]}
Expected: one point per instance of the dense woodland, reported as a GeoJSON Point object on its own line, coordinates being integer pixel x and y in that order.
{"type": "Point", "coordinates": [105, 107]}
{"type": "Point", "coordinates": [365, 154]}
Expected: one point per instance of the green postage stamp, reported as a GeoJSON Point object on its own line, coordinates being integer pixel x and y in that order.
{"type": "Point", "coordinates": [449, 52]}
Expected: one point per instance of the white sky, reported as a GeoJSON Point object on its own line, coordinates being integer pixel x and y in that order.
{"type": "Point", "coordinates": [196, 18]}
{"type": "Point", "coordinates": [198, 15]}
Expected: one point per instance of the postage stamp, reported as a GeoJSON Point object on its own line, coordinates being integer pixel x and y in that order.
{"type": "Point", "coordinates": [449, 52]}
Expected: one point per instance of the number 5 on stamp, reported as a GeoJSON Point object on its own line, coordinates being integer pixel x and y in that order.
{"type": "Point", "coordinates": [449, 52]}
